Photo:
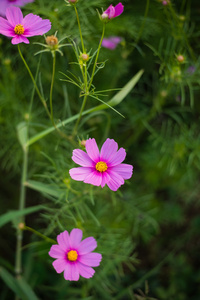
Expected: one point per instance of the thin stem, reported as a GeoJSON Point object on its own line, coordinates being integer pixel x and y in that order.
{"type": "Point", "coordinates": [18, 264]}
{"type": "Point", "coordinates": [97, 56]}
{"type": "Point", "coordinates": [44, 237]}
{"type": "Point", "coordinates": [33, 80]}
{"type": "Point", "coordinates": [80, 115]}
{"type": "Point", "coordinates": [51, 88]}
{"type": "Point", "coordinates": [79, 27]}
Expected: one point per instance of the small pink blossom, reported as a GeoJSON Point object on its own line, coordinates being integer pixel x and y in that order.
{"type": "Point", "coordinates": [7, 3]}
{"type": "Point", "coordinates": [73, 256]}
{"type": "Point", "coordinates": [111, 42]}
{"type": "Point", "coordinates": [19, 28]}
{"type": "Point", "coordinates": [101, 168]}
{"type": "Point", "coordinates": [113, 12]}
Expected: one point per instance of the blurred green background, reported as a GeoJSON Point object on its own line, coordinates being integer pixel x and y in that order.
{"type": "Point", "coordinates": [147, 231]}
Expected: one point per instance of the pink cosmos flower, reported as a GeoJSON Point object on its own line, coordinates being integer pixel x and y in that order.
{"type": "Point", "coordinates": [101, 168]}
{"type": "Point", "coordinates": [20, 28]}
{"type": "Point", "coordinates": [111, 42]}
{"type": "Point", "coordinates": [113, 12]}
{"type": "Point", "coordinates": [6, 3]}
{"type": "Point", "coordinates": [73, 256]}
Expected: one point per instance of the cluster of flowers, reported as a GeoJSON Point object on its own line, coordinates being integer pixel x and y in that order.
{"type": "Point", "coordinates": [99, 168]}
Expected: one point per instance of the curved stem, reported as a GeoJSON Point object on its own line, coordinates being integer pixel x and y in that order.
{"type": "Point", "coordinates": [97, 56]}
{"type": "Point", "coordinates": [79, 27]}
{"type": "Point", "coordinates": [51, 88]}
{"type": "Point", "coordinates": [44, 237]}
{"type": "Point", "coordinates": [35, 85]}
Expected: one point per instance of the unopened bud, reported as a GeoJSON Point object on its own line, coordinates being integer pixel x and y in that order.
{"type": "Point", "coordinates": [84, 57]}
{"type": "Point", "coordinates": [51, 40]}
{"type": "Point", "coordinates": [21, 226]}
{"type": "Point", "coordinates": [180, 58]}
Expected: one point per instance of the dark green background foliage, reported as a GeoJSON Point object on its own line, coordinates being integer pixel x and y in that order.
{"type": "Point", "coordinates": [147, 231]}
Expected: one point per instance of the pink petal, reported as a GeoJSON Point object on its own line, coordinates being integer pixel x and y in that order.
{"type": "Point", "coordinates": [119, 8]}
{"type": "Point", "coordinates": [81, 158]}
{"type": "Point", "coordinates": [115, 182]}
{"type": "Point", "coordinates": [64, 240]}
{"type": "Point", "coordinates": [91, 259]}
{"type": "Point", "coordinates": [110, 11]}
{"type": "Point", "coordinates": [108, 149]}
{"type": "Point", "coordinates": [123, 170]}
{"type": "Point", "coordinates": [60, 265]}
{"type": "Point", "coordinates": [80, 173]}
{"type": "Point", "coordinates": [19, 39]}
{"type": "Point", "coordinates": [92, 150]}
{"type": "Point", "coordinates": [72, 272]}
{"type": "Point", "coordinates": [75, 237]}
{"type": "Point", "coordinates": [56, 252]}
{"type": "Point", "coordinates": [34, 25]}
{"type": "Point", "coordinates": [87, 245]}
{"type": "Point", "coordinates": [85, 271]}
{"type": "Point", "coordinates": [6, 28]}
{"type": "Point", "coordinates": [14, 15]}
{"type": "Point", "coordinates": [94, 178]}
{"type": "Point", "coordinates": [105, 179]}
{"type": "Point", "coordinates": [118, 157]}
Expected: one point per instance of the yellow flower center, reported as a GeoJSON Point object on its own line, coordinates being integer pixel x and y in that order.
{"type": "Point", "coordinates": [72, 255]}
{"type": "Point", "coordinates": [101, 166]}
{"type": "Point", "coordinates": [19, 29]}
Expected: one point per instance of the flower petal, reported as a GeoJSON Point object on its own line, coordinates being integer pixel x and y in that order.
{"type": "Point", "coordinates": [85, 271]}
{"type": "Point", "coordinates": [105, 179]}
{"type": "Point", "coordinates": [115, 182]}
{"type": "Point", "coordinates": [91, 259]}
{"type": "Point", "coordinates": [81, 158]}
{"type": "Point", "coordinates": [87, 245]}
{"type": "Point", "coordinates": [56, 252]}
{"type": "Point", "coordinates": [123, 170]}
{"type": "Point", "coordinates": [60, 265]}
{"type": "Point", "coordinates": [80, 173]}
{"type": "Point", "coordinates": [6, 28]}
{"type": "Point", "coordinates": [108, 149]}
{"type": "Point", "coordinates": [34, 25]}
{"type": "Point", "coordinates": [119, 8]}
{"type": "Point", "coordinates": [19, 39]}
{"type": "Point", "coordinates": [75, 237]}
{"type": "Point", "coordinates": [14, 15]}
{"type": "Point", "coordinates": [117, 158]}
{"type": "Point", "coordinates": [94, 178]}
{"type": "Point", "coordinates": [64, 240]}
{"type": "Point", "coordinates": [110, 11]}
{"type": "Point", "coordinates": [72, 272]}
{"type": "Point", "coordinates": [92, 150]}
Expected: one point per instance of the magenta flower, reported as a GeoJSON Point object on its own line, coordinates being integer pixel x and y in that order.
{"type": "Point", "coordinates": [111, 42]}
{"type": "Point", "coordinates": [73, 256]}
{"type": "Point", "coordinates": [6, 3]}
{"type": "Point", "coordinates": [113, 12]}
{"type": "Point", "coordinates": [20, 28]}
{"type": "Point", "coordinates": [101, 168]}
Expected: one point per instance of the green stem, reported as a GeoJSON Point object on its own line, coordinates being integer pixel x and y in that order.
{"type": "Point", "coordinates": [80, 115]}
{"type": "Point", "coordinates": [33, 80]}
{"type": "Point", "coordinates": [87, 88]}
{"type": "Point", "coordinates": [44, 237]}
{"type": "Point", "coordinates": [97, 56]}
{"type": "Point", "coordinates": [51, 88]}
{"type": "Point", "coordinates": [18, 264]}
{"type": "Point", "coordinates": [79, 27]}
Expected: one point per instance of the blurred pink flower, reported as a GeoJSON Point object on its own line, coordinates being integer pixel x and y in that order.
{"type": "Point", "coordinates": [20, 28]}
{"type": "Point", "coordinates": [111, 42]}
{"type": "Point", "coordinates": [113, 12]}
{"type": "Point", "coordinates": [6, 3]}
{"type": "Point", "coordinates": [73, 256]}
{"type": "Point", "coordinates": [101, 168]}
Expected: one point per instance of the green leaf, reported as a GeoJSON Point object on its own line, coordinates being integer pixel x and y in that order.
{"type": "Point", "coordinates": [119, 97]}
{"type": "Point", "coordinates": [22, 134]}
{"type": "Point", "coordinates": [44, 188]}
{"type": "Point", "coordinates": [19, 286]}
{"type": "Point", "coordinates": [14, 214]}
